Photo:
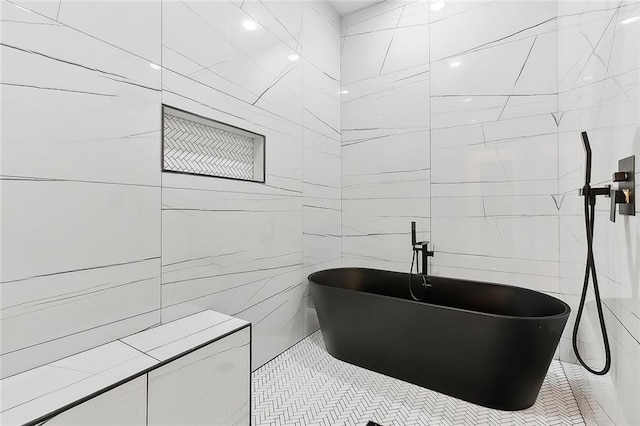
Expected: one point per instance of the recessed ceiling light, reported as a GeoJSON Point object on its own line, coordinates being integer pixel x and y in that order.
{"type": "Point", "coordinates": [250, 25]}
{"type": "Point", "coordinates": [155, 66]}
{"type": "Point", "coordinates": [293, 57]}
{"type": "Point", "coordinates": [437, 5]}
{"type": "Point", "coordinates": [455, 64]}
{"type": "Point", "coordinates": [629, 20]}
{"type": "Point", "coordinates": [344, 92]}
{"type": "Point", "coordinates": [467, 100]}
{"type": "Point", "coordinates": [473, 121]}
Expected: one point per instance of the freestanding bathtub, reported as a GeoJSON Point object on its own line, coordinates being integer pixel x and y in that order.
{"type": "Point", "coordinates": [489, 344]}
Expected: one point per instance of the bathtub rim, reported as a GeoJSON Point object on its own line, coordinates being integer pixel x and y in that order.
{"type": "Point", "coordinates": [566, 311]}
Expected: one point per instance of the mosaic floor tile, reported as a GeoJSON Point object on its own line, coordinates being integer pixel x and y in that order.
{"type": "Point", "coordinates": [307, 386]}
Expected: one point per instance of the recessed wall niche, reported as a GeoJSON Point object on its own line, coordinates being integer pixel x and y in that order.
{"type": "Point", "coordinates": [196, 145]}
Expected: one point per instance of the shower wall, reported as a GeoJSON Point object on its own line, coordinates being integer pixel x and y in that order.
{"type": "Point", "coordinates": [599, 91]}
{"type": "Point", "coordinates": [97, 243]}
{"type": "Point", "coordinates": [385, 133]}
{"type": "Point", "coordinates": [449, 121]}
{"type": "Point", "coordinates": [483, 149]}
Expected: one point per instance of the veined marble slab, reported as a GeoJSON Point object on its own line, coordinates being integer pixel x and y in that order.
{"type": "Point", "coordinates": [177, 337]}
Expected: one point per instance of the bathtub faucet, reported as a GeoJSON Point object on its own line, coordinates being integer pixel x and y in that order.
{"type": "Point", "coordinates": [420, 247]}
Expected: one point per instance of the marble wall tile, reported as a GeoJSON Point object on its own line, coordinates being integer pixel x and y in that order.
{"type": "Point", "coordinates": [598, 67]}
{"type": "Point", "coordinates": [494, 173]}
{"type": "Point", "coordinates": [385, 133]}
{"type": "Point", "coordinates": [245, 248]}
{"type": "Point", "coordinates": [96, 106]}
{"type": "Point", "coordinates": [321, 154]}
{"type": "Point", "coordinates": [80, 186]}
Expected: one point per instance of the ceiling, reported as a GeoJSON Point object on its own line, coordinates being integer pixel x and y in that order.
{"type": "Point", "coordinates": [345, 7]}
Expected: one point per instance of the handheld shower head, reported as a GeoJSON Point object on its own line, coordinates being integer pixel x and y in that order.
{"type": "Point", "coordinates": [413, 234]}
{"type": "Point", "coordinates": [587, 152]}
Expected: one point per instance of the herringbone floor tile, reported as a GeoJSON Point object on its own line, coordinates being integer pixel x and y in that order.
{"type": "Point", "coordinates": [306, 386]}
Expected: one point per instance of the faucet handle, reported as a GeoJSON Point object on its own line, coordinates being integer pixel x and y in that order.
{"type": "Point", "coordinates": [618, 196]}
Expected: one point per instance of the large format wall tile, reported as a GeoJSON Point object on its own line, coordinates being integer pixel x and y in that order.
{"type": "Point", "coordinates": [385, 133]}
{"type": "Point", "coordinates": [321, 154]}
{"type": "Point", "coordinates": [80, 177]}
{"type": "Point", "coordinates": [238, 247]}
{"type": "Point", "coordinates": [494, 142]}
{"type": "Point", "coordinates": [598, 69]}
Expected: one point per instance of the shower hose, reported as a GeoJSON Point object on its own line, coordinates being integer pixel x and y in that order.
{"type": "Point", "coordinates": [589, 220]}
{"type": "Point", "coordinates": [424, 279]}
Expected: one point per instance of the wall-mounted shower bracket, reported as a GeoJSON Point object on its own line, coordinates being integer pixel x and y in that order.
{"type": "Point", "coordinates": [625, 194]}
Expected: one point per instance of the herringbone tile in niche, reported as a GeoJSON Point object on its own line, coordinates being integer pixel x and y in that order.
{"type": "Point", "coordinates": [192, 147]}
{"type": "Point", "coordinates": [307, 386]}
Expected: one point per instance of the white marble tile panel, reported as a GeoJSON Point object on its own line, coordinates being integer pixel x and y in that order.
{"type": "Point", "coordinates": [374, 104]}
{"type": "Point", "coordinates": [476, 73]}
{"type": "Point", "coordinates": [176, 337]}
{"type": "Point", "coordinates": [533, 274]}
{"type": "Point", "coordinates": [38, 220]}
{"type": "Point", "coordinates": [532, 238]}
{"type": "Point", "coordinates": [242, 63]}
{"type": "Point", "coordinates": [322, 220]}
{"type": "Point", "coordinates": [450, 137]}
{"type": "Point", "coordinates": [321, 34]}
{"type": "Point", "coordinates": [36, 7]}
{"type": "Point", "coordinates": [321, 166]}
{"type": "Point", "coordinates": [39, 391]}
{"type": "Point", "coordinates": [384, 151]}
{"type": "Point", "coordinates": [463, 114]}
{"type": "Point", "coordinates": [208, 386]}
{"type": "Point", "coordinates": [504, 188]}
{"type": "Point", "coordinates": [283, 19]}
{"type": "Point", "coordinates": [384, 21]}
{"type": "Point", "coordinates": [49, 41]}
{"type": "Point", "coordinates": [415, 13]}
{"type": "Point", "coordinates": [321, 251]}
{"type": "Point", "coordinates": [518, 128]}
{"type": "Point", "coordinates": [479, 24]}
{"type": "Point", "coordinates": [517, 160]}
{"type": "Point", "coordinates": [133, 26]}
{"type": "Point", "coordinates": [526, 106]}
{"type": "Point", "coordinates": [321, 103]}
{"type": "Point", "coordinates": [391, 185]}
{"type": "Point", "coordinates": [539, 71]}
{"type": "Point", "coordinates": [363, 55]}
{"type": "Point", "coordinates": [97, 106]}
{"type": "Point", "coordinates": [122, 406]}
{"type": "Point", "coordinates": [408, 49]}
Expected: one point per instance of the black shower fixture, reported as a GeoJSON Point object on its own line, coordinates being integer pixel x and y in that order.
{"type": "Point", "coordinates": [623, 195]}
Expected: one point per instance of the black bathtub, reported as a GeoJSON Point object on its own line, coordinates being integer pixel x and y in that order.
{"type": "Point", "coordinates": [485, 343]}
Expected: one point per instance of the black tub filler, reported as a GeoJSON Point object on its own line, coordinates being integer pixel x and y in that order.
{"type": "Point", "coordinates": [485, 343]}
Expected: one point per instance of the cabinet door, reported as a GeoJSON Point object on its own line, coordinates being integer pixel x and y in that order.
{"type": "Point", "coordinates": [124, 405]}
{"type": "Point", "coordinates": [209, 386]}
